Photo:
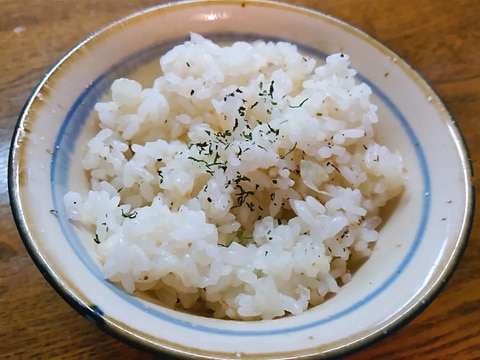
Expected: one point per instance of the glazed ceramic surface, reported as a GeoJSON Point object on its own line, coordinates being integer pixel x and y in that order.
{"type": "Point", "coordinates": [421, 240]}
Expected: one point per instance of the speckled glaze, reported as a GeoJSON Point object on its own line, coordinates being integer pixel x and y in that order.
{"type": "Point", "coordinates": [421, 240]}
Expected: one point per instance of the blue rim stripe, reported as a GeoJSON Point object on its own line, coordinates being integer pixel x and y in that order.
{"type": "Point", "coordinates": [76, 119]}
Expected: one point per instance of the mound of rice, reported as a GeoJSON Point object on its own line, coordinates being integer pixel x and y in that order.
{"type": "Point", "coordinates": [243, 181]}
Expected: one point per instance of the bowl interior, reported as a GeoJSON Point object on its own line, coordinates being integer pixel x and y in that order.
{"type": "Point", "coordinates": [420, 241]}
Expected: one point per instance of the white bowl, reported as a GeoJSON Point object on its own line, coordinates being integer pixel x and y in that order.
{"type": "Point", "coordinates": [420, 243]}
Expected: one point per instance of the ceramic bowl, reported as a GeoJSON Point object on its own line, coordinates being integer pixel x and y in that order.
{"type": "Point", "coordinates": [420, 242]}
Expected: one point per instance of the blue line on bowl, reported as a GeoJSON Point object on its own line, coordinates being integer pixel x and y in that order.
{"type": "Point", "coordinates": [76, 119]}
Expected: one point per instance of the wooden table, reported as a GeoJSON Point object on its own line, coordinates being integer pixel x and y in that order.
{"type": "Point", "coordinates": [440, 38]}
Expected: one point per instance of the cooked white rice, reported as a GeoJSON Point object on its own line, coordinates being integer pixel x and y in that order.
{"type": "Point", "coordinates": [242, 182]}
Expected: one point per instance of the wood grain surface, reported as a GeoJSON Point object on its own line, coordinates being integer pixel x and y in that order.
{"type": "Point", "coordinates": [440, 38]}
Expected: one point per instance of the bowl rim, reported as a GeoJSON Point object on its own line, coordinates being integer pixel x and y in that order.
{"type": "Point", "coordinates": [93, 315]}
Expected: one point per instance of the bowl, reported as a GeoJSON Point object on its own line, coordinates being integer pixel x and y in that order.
{"type": "Point", "coordinates": [419, 245]}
